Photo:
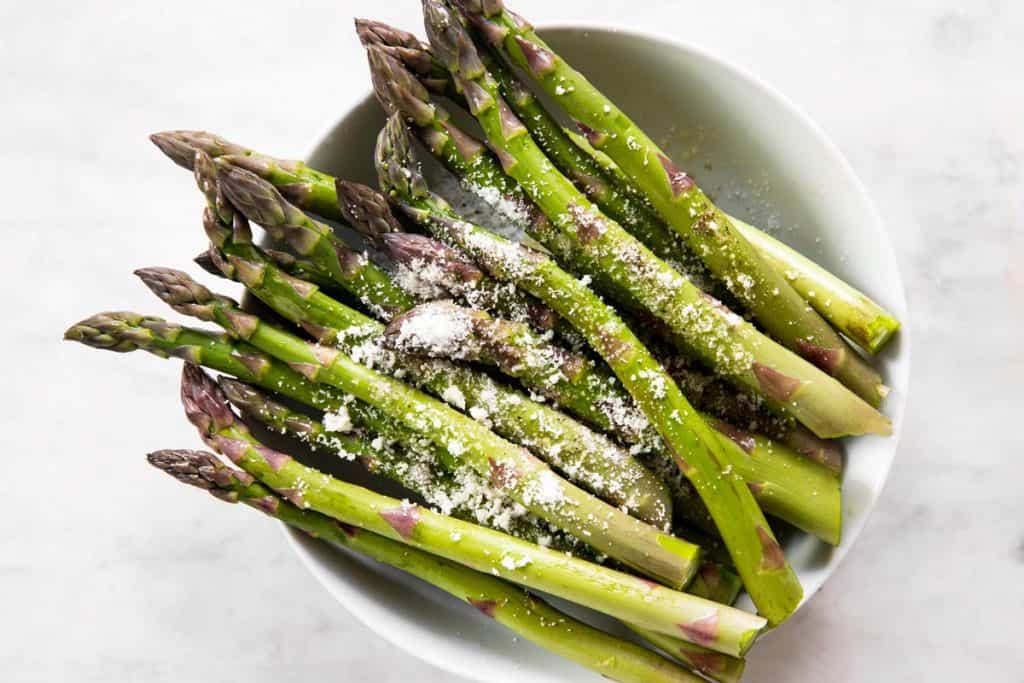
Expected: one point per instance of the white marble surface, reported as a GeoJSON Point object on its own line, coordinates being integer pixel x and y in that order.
{"type": "Point", "coordinates": [108, 572]}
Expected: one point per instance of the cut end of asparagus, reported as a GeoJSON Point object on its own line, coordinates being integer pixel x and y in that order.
{"type": "Point", "coordinates": [366, 210]}
{"type": "Point", "coordinates": [881, 331]}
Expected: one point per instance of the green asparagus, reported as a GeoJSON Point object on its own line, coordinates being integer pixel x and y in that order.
{"type": "Point", "coordinates": [729, 345]}
{"type": "Point", "coordinates": [752, 280]}
{"type": "Point", "coordinates": [802, 393]}
{"type": "Point", "coordinates": [418, 468]}
{"type": "Point", "coordinates": [848, 310]}
{"type": "Point", "coordinates": [757, 556]}
{"type": "Point", "coordinates": [520, 612]}
{"type": "Point", "coordinates": [408, 93]}
{"type": "Point", "coordinates": [586, 457]}
{"type": "Point", "coordinates": [512, 469]}
{"type": "Point", "coordinates": [784, 483]}
{"type": "Point", "coordinates": [635, 600]}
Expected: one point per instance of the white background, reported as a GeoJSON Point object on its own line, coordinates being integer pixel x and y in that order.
{"type": "Point", "coordinates": [108, 572]}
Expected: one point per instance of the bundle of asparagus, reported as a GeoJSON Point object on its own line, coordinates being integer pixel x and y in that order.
{"type": "Point", "coordinates": [542, 441]}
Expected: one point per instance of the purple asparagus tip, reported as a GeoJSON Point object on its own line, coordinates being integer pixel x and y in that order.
{"type": "Point", "coordinates": [175, 148]}
{"type": "Point", "coordinates": [205, 404]}
{"type": "Point", "coordinates": [415, 251]}
{"type": "Point", "coordinates": [366, 210]}
{"type": "Point", "coordinates": [198, 468]}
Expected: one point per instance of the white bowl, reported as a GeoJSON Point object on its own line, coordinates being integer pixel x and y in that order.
{"type": "Point", "coordinates": [765, 161]}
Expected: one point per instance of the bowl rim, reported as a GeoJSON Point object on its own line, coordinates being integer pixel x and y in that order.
{"type": "Point", "coordinates": [352, 600]}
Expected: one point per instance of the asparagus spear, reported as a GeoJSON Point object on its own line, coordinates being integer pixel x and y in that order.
{"type": "Point", "coordinates": [125, 332]}
{"type": "Point", "coordinates": [428, 264]}
{"type": "Point", "coordinates": [807, 396]}
{"type": "Point", "coordinates": [460, 493]}
{"type": "Point", "coordinates": [520, 612]}
{"type": "Point", "coordinates": [399, 91]}
{"type": "Point", "coordinates": [603, 247]}
{"type": "Point", "coordinates": [592, 460]}
{"type": "Point", "coordinates": [713, 581]}
{"type": "Point", "coordinates": [408, 93]}
{"type": "Point", "coordinates": [507, 300]}
{"type": "Point", "coordinates": [710, 234]}
{"type": "Point", "coordinates": [784, 483]}
{"type": "Point", "coordinates": [417, 468]}
{"type": "Point", "coordinates": [512, 469]}
{"type": "Point", "coordinates": [861, 319]}
{"type": "Point", "coordinates": [757, 556]}
{"type": "Point", "coordinates": [640, 602]}
{"type": "Point", "coordinates": [848, 309]}
{"type": "Point", "coordinates": [713, 665]}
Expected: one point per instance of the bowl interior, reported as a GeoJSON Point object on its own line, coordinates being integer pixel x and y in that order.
{"type": "Point", "coordinates": [762, 161]}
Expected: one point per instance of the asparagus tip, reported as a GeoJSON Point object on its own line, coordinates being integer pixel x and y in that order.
{"type": "Point", "coordinates": [174, 147]}
{"type": "Point", "coordinates": [205, 261]}
{"type": "Point", "coordinates": [113, 330]}
{"type": "Point", "coordinates": [366, 210]}
{"type": "Point", "coordinates": [205, 404]}
{"type": "Point", "coordinates": [174, 287]}
{"type": "Point", "coordinates": [413, 250]}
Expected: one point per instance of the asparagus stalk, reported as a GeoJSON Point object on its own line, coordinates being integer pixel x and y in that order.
{"type": "Point", "coordinates": [730, 346]}
{"type": "Point", "coordinates": [512, 469]}
{"type": "Point", "coordinates": [713, 581]}
{"type": "Point", "coordinates": [848, 309]}
{"type": "Point", "coordinates": [785, 484]}
{"type": "Point", "coordinates": [756, 554]}
{"type": "Point", "coordinates": [640, 602]}
{"type": "Point", "coordinates": [681, 203]}
{"type": "Point", "coordinates": [460, 493]}
{"type": "Point", "coordinates": [589, 458]}
{"type": "Point", "coordinates": [320, 196]}
{"type": "Point", "coordinates": [417, 468]}
{"type": "Point", "coordinates": [408, 93]}
{"type": "Point", "coordinates": [125, 332]}
{"type": "Point", "coordinates": [520, 612]}
{"type": "Point", "coordinates": [763, 368]}
{"type": "Point", "coordinates": [432, 265]}
{"type": "Point", "coordinates": [390, 51]}
{"type": "Point", "coordinates": [713, 665]}
{"type": "Point", "coordinates": [399, 91]}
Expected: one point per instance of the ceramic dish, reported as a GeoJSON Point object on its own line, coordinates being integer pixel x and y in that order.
{"type": "Point", "coordinates": [763, 161]}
